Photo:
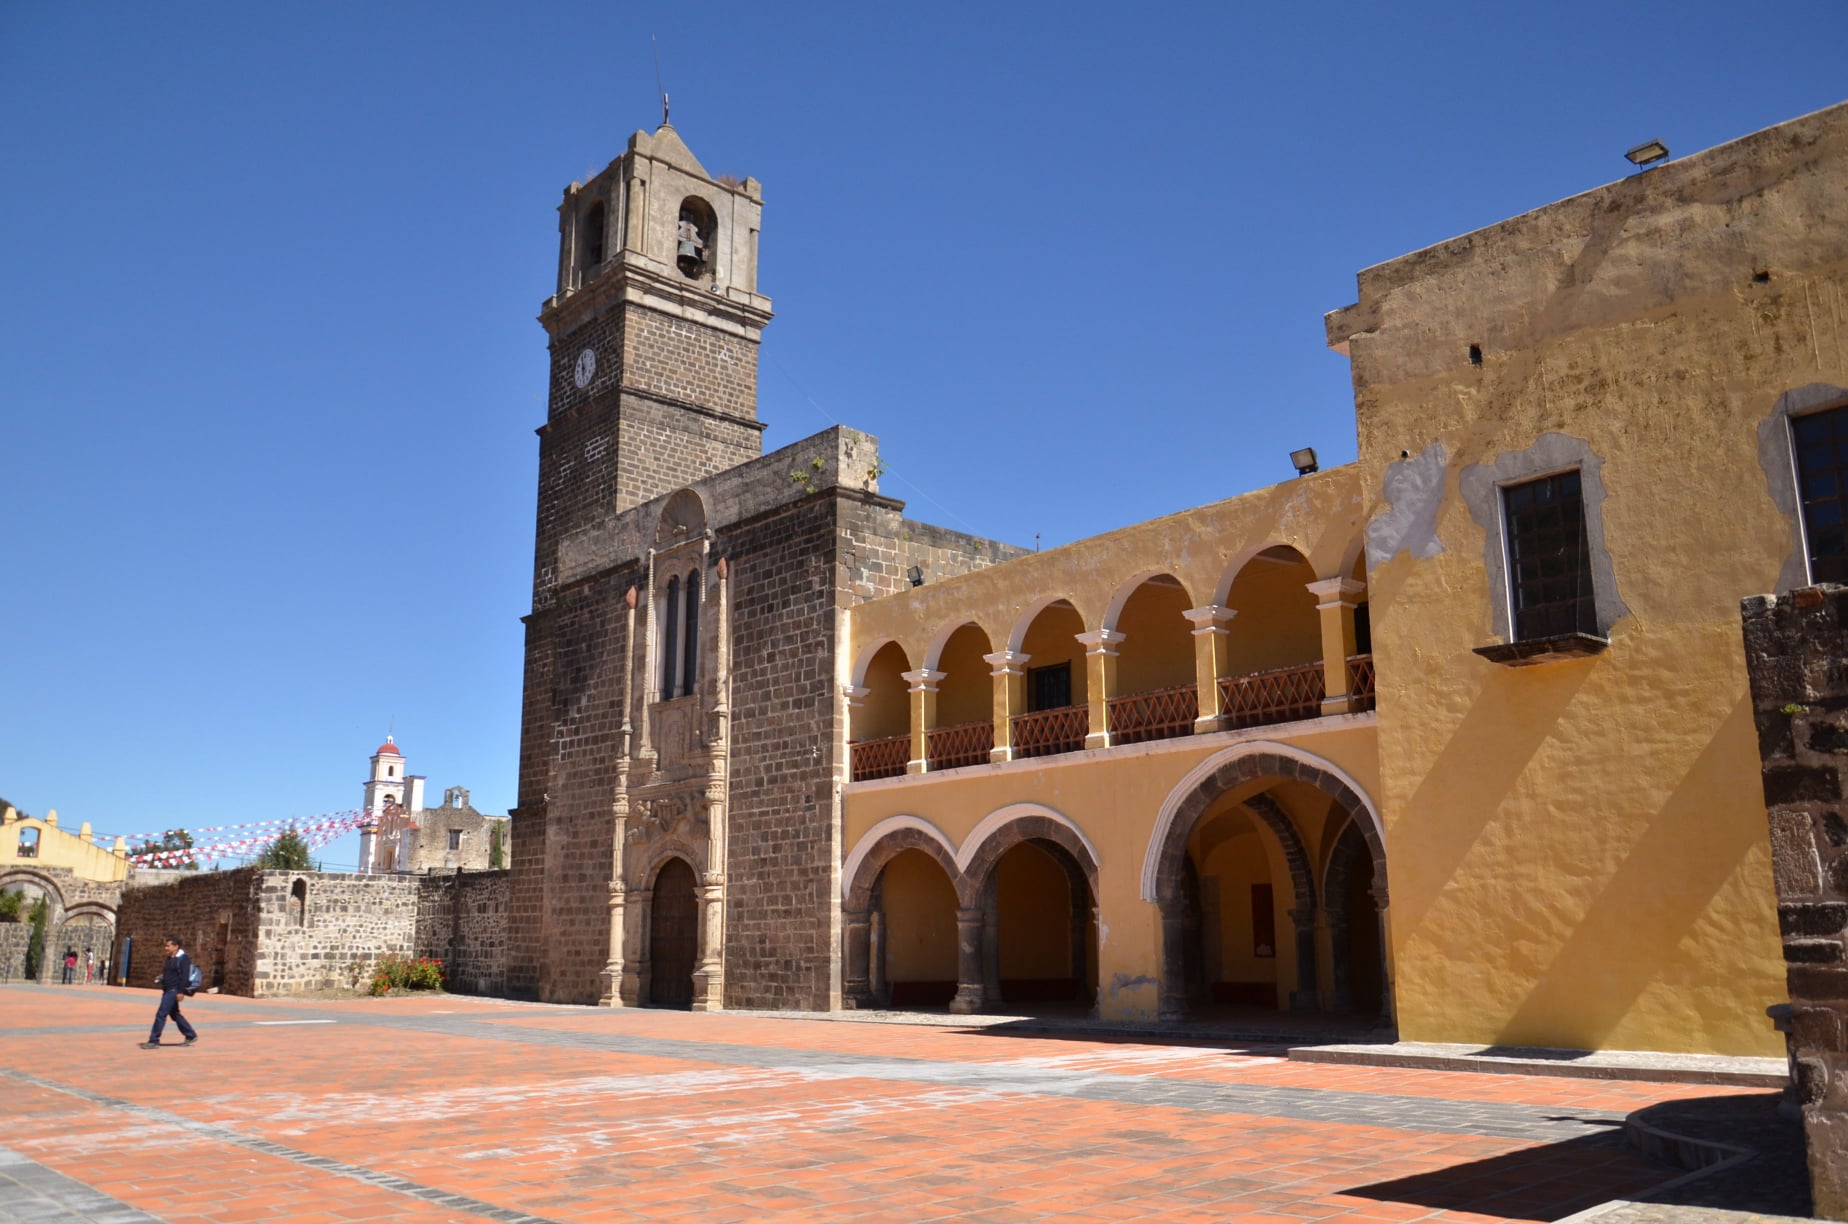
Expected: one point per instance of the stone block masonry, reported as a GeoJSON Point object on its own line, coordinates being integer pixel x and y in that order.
{"type": "Point", "coordinates": [269, 933]}
{"type": "Point", "coordinates": [1796, 646]}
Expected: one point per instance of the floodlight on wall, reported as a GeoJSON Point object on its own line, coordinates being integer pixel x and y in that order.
{"type": "Point", "coordinates": [1304, 461]}
{"type": "Point", "coordinates": [1647, 152]}
{"type": "Point", "coordinates": [916, 574]}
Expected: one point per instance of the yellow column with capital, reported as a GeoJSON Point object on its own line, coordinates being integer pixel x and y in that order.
{"type": "Point", "coordinates": [1336, 599]}
{"type": "Point", "coordinates": [923, 684]}
{"type": "Point", "coordinates": [1210, 640]}
{"type": "Point", "coordinates": [1100, 652]}
{"type": "Point", "coordinates": [1009, 669]}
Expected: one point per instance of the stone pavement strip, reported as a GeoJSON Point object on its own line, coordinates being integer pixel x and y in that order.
{"type": "Point", "coordinates": [447, 1108]}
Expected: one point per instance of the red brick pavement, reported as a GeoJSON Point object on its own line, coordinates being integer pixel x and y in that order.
{"type": "Point", "coordinates": [566, 1132]}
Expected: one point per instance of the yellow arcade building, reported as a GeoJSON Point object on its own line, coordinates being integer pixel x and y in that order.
{"type": "Point", "coordinates": [1457, 735]}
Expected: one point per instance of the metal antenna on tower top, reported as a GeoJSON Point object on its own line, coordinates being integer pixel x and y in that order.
{"type": "Point", "coordinates": [661, 88]}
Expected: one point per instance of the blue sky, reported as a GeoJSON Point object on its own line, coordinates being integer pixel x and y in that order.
{"type": "Point", "coordinates": [269, 371]}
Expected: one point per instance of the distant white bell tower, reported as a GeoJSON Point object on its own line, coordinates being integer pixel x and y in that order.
{"type": "Point", "coordinates": [388, 784]}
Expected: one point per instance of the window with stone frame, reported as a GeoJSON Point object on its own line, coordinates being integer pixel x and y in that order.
{"type": "Point", "coordinates": [1549, 557]}
{"type": "Point", "coordinates": [455, 839]}
{"type": "Point", "coordinates": [1820, 442]}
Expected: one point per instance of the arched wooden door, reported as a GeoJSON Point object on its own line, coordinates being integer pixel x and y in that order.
{"type": "Point", "coordinates": [673, 936]}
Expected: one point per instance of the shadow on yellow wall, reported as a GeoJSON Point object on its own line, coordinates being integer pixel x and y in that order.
{"type": "Point", "coordinates": [1641, 930]}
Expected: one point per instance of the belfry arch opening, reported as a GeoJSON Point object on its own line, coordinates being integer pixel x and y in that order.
{"type": "Point", "coordinates": [698, 225]}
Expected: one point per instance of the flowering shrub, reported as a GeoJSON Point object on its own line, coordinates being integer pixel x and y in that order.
{"type": "Point", "coordinates": [423, 973]}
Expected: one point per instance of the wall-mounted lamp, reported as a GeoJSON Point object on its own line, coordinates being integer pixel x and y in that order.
{"type": "Point", "coordinates": [916, 574]}
{"type": "Point", "coordinates": [1304, 461]}
{"type": "Point", "coordinates": [1647, 152]}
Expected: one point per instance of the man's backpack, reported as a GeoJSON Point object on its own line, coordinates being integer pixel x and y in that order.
{"type": "Point", "coordinates": [194, 980]}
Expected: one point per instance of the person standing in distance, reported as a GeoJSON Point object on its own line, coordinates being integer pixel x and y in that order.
{"type": "Point", "coordinates": [175, 978]}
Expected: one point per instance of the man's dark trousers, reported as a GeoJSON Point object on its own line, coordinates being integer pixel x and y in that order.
{"type": "Point", "coordinates": [170, 1006]}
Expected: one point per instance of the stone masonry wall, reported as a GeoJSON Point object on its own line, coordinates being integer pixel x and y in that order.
{"type": "Point", "coordinates": [462, 921]}
{"type": "Point", "coordinates": [349, 921]}
{"type": "Point", "coordinates": [1796, 649]}
{"type": "Point", "coordinates": [14, 936]}
{"type": "Point", "coordinates": [212, 913]}
{"type": "Point", "coordinates": [780, 910]}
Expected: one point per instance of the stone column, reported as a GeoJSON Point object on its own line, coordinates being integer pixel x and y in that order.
{"type": "Point", "coordinates": [923, 684]}
{"type": "Point", "coordinates": [1304, 997]}
{"type": "Point", "coordinates": [1388, 1015]}
{"type": "Point", "coordinates": [1210, 641]}
{"type": "Point", "coordinates": [611, 995]}
{"type": "Point", "coordinates": [1340, 964]}
{"type": "Point", "coordinates": [856, 951]}
{"type": "Point", "coordinates": [1100, 650]}
{"type": "Point", "coordinates": [709, 977]}
{"type": "Point", "coordinates": [1009, 669]}
{"type": "Point", "coordinates": [991, 946]}
{"type": "Point", "coordinates": [1171, 999]}
{"type": "Point", "coordinates": [876, 958]}
{"type": "Point", "coordinates": [1336, 599]}
{"type": "Point", "coordinates": [969, 976]}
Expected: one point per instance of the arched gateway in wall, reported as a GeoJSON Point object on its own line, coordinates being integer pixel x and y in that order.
{"type": "Point", "coordinates": [1168, 873]}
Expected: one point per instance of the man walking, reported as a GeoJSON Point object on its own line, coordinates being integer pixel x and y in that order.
{"type": "Point", "coordinates": [175, 977]}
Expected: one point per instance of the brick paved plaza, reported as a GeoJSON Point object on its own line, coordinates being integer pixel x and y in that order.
{"type": "Point", "coordinates": [446, 1108]}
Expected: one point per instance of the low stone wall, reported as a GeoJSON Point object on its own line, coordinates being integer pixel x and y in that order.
{"type": "Point", "coordinates": [269, 933]}
{"type": "Point", "coordinates": [1795, 645]}
{"type": "Point", "coordinates": [462, 920]}
{"type": "Point", "coordinates": [213, 915]}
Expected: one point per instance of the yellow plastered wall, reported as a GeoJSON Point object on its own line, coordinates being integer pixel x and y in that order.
{"type": "Point", "coordinates": [1237, 860]}
{"type": "Point", "coordinates": [886, 709]}
{"type": "Point", "coordinates": [1579, 854]}
{"type": "Point", "coordinates": [920, 916]}
{"type": "Point", "coordinates": [1112, 797]}
{"type": "Point", "coordinates": [1277, 624]}
{"type": "Point", "coordinates": [1157, 650]}
{"type": "Point", "coordinates": [58, 847]}
{"type": "Point", "coordinates": [1052, 640]}
{"type": "Point", "coordinates": [966, 693]}
{"type": "Point", "coordinates": [1035, 902]}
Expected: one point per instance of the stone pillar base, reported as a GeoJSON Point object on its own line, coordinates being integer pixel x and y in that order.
{"type": "Point", "coordinates": [968, 1000]}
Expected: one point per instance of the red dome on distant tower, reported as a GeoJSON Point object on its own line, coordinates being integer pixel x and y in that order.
{"type": "Point", "coordinates": [388, 748]}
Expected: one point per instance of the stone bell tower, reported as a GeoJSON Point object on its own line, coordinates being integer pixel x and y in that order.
{"type": "Point", "coordinates": [654, 331]}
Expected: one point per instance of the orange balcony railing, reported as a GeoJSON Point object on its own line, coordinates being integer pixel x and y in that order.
{"type": "Point", "coordinates": [1045, 732]}
{"type": "Point", "coordinates": [880, 758]}
{"type": "Point", "coordinates": [960, 745]}
{"type": "Point", "coordinates": [1282, 694]}
{"type": "Point", "coordinates": [1157, 714]}
{"type": "Point", "coordinates": [1360, 681]}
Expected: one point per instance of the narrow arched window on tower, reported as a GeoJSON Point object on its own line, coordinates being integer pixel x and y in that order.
{"type": "Point", "coordinates": [590, 240]}
{"type": "Point", "coordinates": [689, 671]}
{"type": "Point", "coordinates": [670, 641]}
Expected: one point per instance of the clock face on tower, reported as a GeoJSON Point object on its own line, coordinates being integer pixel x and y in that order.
{"type": "Point", "coordinates": [586, 368]}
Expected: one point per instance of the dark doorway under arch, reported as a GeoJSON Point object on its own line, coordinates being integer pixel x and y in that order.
{"type": "Point", "coordinates": [673, 936]}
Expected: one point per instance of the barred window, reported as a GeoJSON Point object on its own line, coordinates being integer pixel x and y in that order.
{"type": "Point", "coordinates": [1822, 489]}
{"type": "Point", "coordinates": [1549, 558]}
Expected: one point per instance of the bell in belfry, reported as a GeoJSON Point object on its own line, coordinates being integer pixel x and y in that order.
{"type": "Point", "coordinates": [692, 250]}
